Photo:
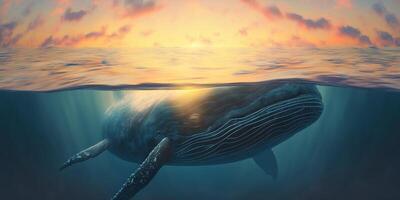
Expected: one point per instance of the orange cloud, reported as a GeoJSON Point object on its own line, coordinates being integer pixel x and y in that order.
{"type": "Point", "coordinates": [75, 40]}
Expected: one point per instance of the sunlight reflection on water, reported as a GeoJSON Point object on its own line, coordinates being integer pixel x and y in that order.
{"type": "Point", "coordinates": [56, 68]}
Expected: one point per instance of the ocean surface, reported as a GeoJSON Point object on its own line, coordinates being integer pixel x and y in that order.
{"type": "Point", "coordinates": [52, 105]}
{"type": "Point", "coordinates": [58, 69]}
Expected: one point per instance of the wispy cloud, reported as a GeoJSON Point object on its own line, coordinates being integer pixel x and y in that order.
{"type": "Point", "coordinates": [28, 9]}
{"type": "Point", "coordinates": [386, 39]}
{"type": "Point", "coordinates": [320, 23]}
{"type": "Point", "coordinates": [7, 34]}
{"type": "Point", "coordinates": [389, 17]}
{"type": "Point", "coordinates": [121, 32]}
{"type": "Point", "coordinates": [96, 34]}
{"type": "Point", "coordinates": [74, 40]}
{"type": "Point", "coordinates": [70, 15]}
{"type": "Point", "coordinates": [271, 11]}
{"type": "Point", "coordinates": [35, 23]}
{"type": "Point", "coordinates": [352, 32]}
{"type": "Point", "coordinates": [134, 8]}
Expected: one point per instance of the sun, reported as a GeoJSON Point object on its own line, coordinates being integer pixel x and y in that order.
{"type": "Point", "coordinates": [195, 45]}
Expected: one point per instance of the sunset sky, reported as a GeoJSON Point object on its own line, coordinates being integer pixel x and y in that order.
{"type": "Point", "coordinates": [199, 23]}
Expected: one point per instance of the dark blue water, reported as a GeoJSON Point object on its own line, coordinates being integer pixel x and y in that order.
{"type": "Point", "coordinates": [351, 152]}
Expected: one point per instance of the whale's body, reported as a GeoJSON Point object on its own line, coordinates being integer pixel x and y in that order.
{"type": "Point", "coordinates": [228, 124]}
{"type": "Point", "coordinates": [222, 125]}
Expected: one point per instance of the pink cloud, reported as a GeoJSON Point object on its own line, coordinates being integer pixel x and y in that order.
{"type": "Point", "coordinates": [271, 12]}
{"type": "Point", "coordinates": [344, 3]}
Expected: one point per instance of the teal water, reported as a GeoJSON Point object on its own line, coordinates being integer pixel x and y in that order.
{"type": "Point", "coordinates": [351, 152]}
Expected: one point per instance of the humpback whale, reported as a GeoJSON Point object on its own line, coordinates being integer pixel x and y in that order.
{"type": "Point", "coordinates": [221, 125]}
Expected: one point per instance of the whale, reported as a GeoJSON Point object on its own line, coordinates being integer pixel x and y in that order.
{"type": "Point", "coordinates": [207, 127]}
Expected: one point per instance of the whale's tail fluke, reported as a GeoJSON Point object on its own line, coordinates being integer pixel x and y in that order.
{"type": "Point", "coordinates": [88, 153]}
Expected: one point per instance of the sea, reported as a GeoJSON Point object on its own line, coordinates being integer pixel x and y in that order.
{"type": "Point", "coordinates": [53, 100]}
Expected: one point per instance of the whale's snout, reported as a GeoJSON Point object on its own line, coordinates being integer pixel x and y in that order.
{"type": "Point", "coordinates": [296, 107]}
{"type": "Point", "coordinates": [273, 116]}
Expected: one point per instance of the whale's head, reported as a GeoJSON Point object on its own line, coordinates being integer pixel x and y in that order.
{"type": "Point", "coordinates": [244, 120]}
{"type": "Point", "coordinates": [275, 111]}
{"type": "Point", "coordinates": [301, 102]}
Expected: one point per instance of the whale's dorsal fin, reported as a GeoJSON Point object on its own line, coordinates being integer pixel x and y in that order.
{"type": "Point", "coordinates": [266, 160]}
{"type": "Point", "coordinates": [88, 153]}
{"type": "Point", "coordinates": [146, 171]}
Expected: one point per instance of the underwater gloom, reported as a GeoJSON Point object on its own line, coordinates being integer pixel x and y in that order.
{"type": "Point", "coordinates": [199, 99]}
{"type": "Point", "coordinates": [281, 140]}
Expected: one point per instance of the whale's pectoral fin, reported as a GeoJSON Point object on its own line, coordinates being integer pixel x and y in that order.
{"type": "Point", "coordinates": [266, 160]}
{"type": "Point", "coordinates": [146, 171]}
{"type": "Point", "coordinates": [88, 153]}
